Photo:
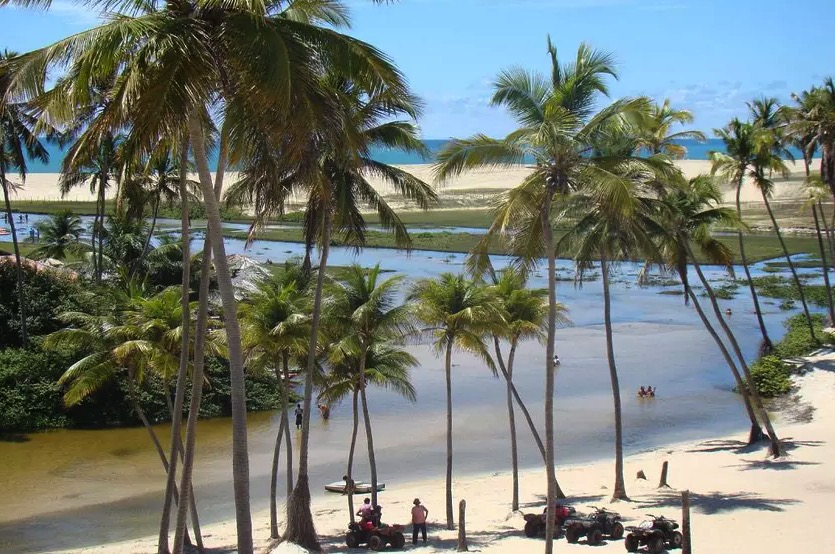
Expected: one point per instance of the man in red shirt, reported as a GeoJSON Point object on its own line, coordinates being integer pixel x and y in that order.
{"type": "Point", "coordinates": [419, 513]}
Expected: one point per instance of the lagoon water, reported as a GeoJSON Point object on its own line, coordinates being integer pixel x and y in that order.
{"type": "Point", "coordinates": [76, 488]}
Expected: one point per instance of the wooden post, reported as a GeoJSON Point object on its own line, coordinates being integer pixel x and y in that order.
{"type": "Point", "coordinates": [685, 523]}
{"type": "Point", "coordinates": [663, 482]}
{"type": "Point", "coordinates": [462, 528]}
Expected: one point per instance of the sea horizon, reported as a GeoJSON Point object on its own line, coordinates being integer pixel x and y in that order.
{"type": "Point", "coordinates": [695, 151]}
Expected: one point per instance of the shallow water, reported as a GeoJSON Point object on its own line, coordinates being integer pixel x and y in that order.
{"type": "Point", "coordinates": [69, 489]}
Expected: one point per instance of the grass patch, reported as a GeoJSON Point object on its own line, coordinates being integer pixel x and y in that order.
{"type": "Point", "coordinates": [776, 286]}
{"type": "Point", "coordinates": [798, 340]}
{"type": "Point", "coordinates": [56, 206]}
{"type": "Point", "coordinates": [805, 264]}
{"type": "Point", "coordinates": [725, 291]}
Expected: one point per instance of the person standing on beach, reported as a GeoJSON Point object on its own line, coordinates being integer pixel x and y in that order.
{"type": "Point", "coordinates": [299, 414]}
{"type": "Point", "coordinates": [419, 514]}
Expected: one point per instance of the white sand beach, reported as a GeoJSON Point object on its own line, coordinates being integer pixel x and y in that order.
{"type": "Point", "coordinates": [742, 501]}
{"type": "Point", "coordinates": [43, 186]}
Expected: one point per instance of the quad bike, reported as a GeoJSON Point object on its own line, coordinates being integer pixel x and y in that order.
{"type": "Point", "coordinates": [657, 535]}
{"type": "Point", "coordinates": [535, 523]}
{"type": "Point", "coordinates": [595, 527]}
{"type": "Point", "coordinates": [375, 537]}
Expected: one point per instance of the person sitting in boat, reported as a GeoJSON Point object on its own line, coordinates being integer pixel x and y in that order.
{"type": "Point", "coordinates": [642, 392]}
{"type": "Point", "coordinates": [325, 411]}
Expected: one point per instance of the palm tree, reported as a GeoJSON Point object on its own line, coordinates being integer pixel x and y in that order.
{"type": "Point", "coordinates": [818, 192]}
{"type": "Point", "coordinates": [60, 236]}
{"type": "Point", "coordinates": [743, 144]}
{"type": "Point", "coordinates": [768, 116]}
{"type": "Point", "coordinates": [819, 116]}
{"type": "Point", "coordinates": [458, 314]}
{"type": "Point", "coordinates": [557, 119]}
{"type": "Point", "coordinates": [689, 212]}
{"type": "Point", "coordinates": [655, 131]}
{"type": "Point", "coordinates": [275, 328]}
{"type": "Point", "coordinates": [525, 316]}
{"type": "Point", "coordinates": [613, 221]}
{"type": "Point", "coordinates": [18, 143]}
{"type": "Point", "coordinates": [363, 311]}
{"type": "Point", "coordinates": [386, 366]}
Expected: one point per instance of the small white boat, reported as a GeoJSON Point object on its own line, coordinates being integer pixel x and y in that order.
{"type": "Point", "coordinates": [360, 487]}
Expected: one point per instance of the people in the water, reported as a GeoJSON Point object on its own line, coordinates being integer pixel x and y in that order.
{"type": "Point", "coordinates": [325, 411]}
{"type": "Point", "coordinates": [728, 312]}
{"type": "Point", "coordinates": [556, 360]}
{"type": "Point", "coordinates": [647, 392]}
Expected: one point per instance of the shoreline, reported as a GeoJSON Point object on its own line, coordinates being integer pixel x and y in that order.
{"type": "Point", "coordinates": [725, 478]}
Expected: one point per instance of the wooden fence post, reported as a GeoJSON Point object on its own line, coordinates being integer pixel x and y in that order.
{"type": "Point", "coordinates": [663, 482]}
{"type": "Point", "coordinates": [462, 528]}
{"type": "Point", "coordinates": [686, 547]}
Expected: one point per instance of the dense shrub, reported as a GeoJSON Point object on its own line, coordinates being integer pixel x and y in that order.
{"type": "Point", "coordinates": [798, 340]}
{"type": "Point", "coordinates": [771, 375]}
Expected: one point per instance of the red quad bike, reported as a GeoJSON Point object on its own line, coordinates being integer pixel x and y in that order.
{"type": "Point", "coordinates": [595, 527]}
{"type": "Point", "coordinates": [377, 538]}
{"type": "Point", "coordinates": [657, 535]}
{"type": "Point", "coordinates": [535, 523]}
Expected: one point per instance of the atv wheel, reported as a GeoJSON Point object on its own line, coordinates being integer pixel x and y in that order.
{"type": "Point", "coordinates": [573, 534]}
{"type": "Point", "coordinates": [398, 541]}
{"type": "Point", "coordinates": [617, 531]}
{"type": "Point", "coordinates": [656, 545]}
{"type": "Point", "coordinates": [531, 529]}
{"type": "Point", "coordinates": [375, 542]}
{"type": "Point", "coordinates": [676, 539]}
{"type": "Point", "coordinates": [631, 543]}
{"type": "Point", "coordinates": [594, 537]}
{"type": "Point", "coordinates": [352, 540]}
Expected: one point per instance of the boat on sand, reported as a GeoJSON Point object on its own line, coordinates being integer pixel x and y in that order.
{"type": "Point", "coordinates": [360, 487]}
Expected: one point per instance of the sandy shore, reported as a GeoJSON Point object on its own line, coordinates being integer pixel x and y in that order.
{"type": "Point", "coordinates": [741, 500]}
{"type": "Point", "coordinates": [43, 186]}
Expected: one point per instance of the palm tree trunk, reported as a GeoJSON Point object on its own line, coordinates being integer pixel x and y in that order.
{"type": "Point", "coordinates": [196, 394]}
{"type": "Point", "coordinates": [185, 344]}
{"type": "Point", "coordinates": [199, 360]}
{"type": "Point", "coordinates": [100, 235]}
{"type": "Point", "coordinates": [620, 486]}
{"type": "Point", "coordinates": [369, 435]}
{"type": "Point", "coordinates": [19, 268]}
{"type": "Point", "coordinates": [240, 454]}
{"type": "Point", "coordinates": [824, 266]}
{"type": "Point", "coordinates": [548, 239]}
{"type": "Point", "coordinates": [150, 236]}
{"type": "Point", "coordinates": [300, 527]}
{"type": "Point", "coordinates": [274, 470]}
{"type": "Point", "coordinates": [288, 444]}
{"type": "Point", "coordinates": [756, 433]}
{"type": "Point", "coordinates": [93, 233]}
{"type": "Point", "coordinates": [349, 473]}
{"type": "Point", "coordinates": [511, 418]}
{"type": "Point", "coordinates": [797, 282]}
{"type": "Point", "coordinates": [775, 449]}
{"type": "Point", "coordinates": [450, 523]}
{"type": "Point", "coordinates": [827, 228]}
{"type": "Point", "coordinates": [766, 346]}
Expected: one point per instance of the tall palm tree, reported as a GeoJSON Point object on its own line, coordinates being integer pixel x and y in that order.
{"type": "Point", "coordinates": [557, 119]}
{"type": "Point", "coordinates": [768, 116]}
{"type": "Point", "coordinates": [656, 135]}
{"type": "Point", "coordinates": [18, 143]}
{"type": "Point", "coordinates": [363, 310]}
{"type": "Point", "coordinates": [60, 236]}
{"type": "Point", "coordinates": [386, 366]}
{"type": "Point", "coordinates": [743, 144]}
{"type": "Point", "coordinates": [525, 316]}
{"type": "Point", "coordinates": [613, 221]}
{"type": "Point", "coordinates": [275, 329]}
{"type": "Point", "coordinates": [819, 120]}
{"type": "Point", "coordinates": [689, 211]}
{"type": "Point", "coordinates": [457, 313]}
{"type": "Point", "coordinates": [817, 192]}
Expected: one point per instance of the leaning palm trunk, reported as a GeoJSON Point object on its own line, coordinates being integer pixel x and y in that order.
{"type": "Point", "coordinates": [147, 245]}
{"type": "Point", "coordinates": [824, 266]}
{"type": "Point", "coordinates": [201, 327]}
{"type": "Point", "coordinates": [511, 419]}
{"type": "Point", "coordinates": [369, 435]}
{"type": "Point", "coordinates": [300, 527]}
{"type": "Point", "coordinates": [548, 239]}
{"type": "Point", "coordinates": [797, 282]}
{"type": "Point", "coordinates": [288, 444]}
{"type": "Point", "coordinates": [620, 486]}
{"type": "Point", "coordinates": [450, 522]}
{"type": "Point", "coordinates": [100, 234]}
{"type": "Point", "coordinates": [240, 454]}
{"type": "Point", "coordinates": [274, 474]}
{"type": "Point", "coordinates": [18, 267]}
{"type": "Point", "coordinates": [349, 473]}
{"type": "Point", "coordinates": [756, 433]}
{"type": "Point", "coordinates": [766, 346]}
{"type": "Point", "coordinates": [185, 343]}
{"type": "Point", "coordinates": [775, 448]}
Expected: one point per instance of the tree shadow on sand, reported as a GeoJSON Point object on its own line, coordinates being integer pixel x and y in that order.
{"type": "Point", "coordinates": [725, 445]}
{"type": "Point", "coordinates": [572, 500]}
{"type": "Point", "coordinates": [720, 502]}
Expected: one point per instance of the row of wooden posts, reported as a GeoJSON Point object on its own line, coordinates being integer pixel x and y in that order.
{"type": "Point", "coordinates": [686, 547]}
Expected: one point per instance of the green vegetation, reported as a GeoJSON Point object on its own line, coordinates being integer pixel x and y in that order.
{"type": "Point", "coordinates": [776, 286]}
{"type": "Point", "coordinates": [772, 376]}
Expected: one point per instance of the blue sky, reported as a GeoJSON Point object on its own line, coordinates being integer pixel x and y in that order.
{"type": "Point", "coordinates": [709, 56]}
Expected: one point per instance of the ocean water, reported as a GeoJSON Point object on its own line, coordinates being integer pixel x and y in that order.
{"type": "Point", "coordinates": [695, 151]}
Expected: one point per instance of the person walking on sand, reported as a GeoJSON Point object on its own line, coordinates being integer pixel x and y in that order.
{"type": "Point", "coordinates": [299, 414]}
{"type": "Point", "coordinates": [419, 514]}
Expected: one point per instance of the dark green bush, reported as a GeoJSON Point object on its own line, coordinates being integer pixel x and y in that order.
{"type": "Point", "coordinates": [771, 375]}
{"type": "Point", "coordinates": [798, 340]}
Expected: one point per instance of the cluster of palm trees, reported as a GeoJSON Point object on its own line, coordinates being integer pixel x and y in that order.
{"type": "Point", "coordinates": [295, 106]}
